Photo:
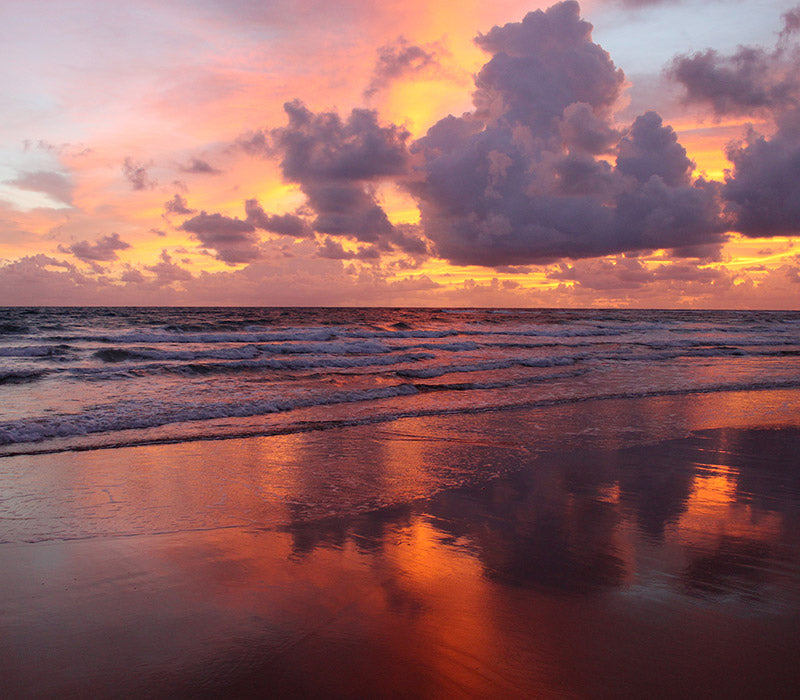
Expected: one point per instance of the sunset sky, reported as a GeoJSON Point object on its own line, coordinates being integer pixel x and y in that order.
{"type": "Point", "coordinates": [451, 153]}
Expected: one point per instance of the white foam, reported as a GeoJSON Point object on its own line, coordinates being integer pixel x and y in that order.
{"type": "Point", "coordinates": [140, 415]}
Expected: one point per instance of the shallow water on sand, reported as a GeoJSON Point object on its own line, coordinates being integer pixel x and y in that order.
{"type": "Point", "coordinates": [535, 553]}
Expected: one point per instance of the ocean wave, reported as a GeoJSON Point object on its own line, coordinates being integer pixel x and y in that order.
{"type": "Point", "coordinates": [117, 354]}
{"type": "Point", "coordinates": [26, 432]}
{"type": "Point", "coordinates": [625, 332]}
{"type": "Point", "coordinates": [272, 336]}
{"type": "Point", "coordinates": [660, 354]}
{"type": "Point", "coordinates": [21, 376]}
{"type": "Point", "coordinates": [178, 337]}
{"type": "Point", "coordinates": [35, 351]}
{"type": "Point", "coordinates": [243, 352]}
{"type": "Point", "coordinates": [10, 328]}
{"type": "Point", "coordinates": [295, 363]}
{"type": "Point", "coordinates": [448, 347]}
{"type": "Point", "coordinates": [134, 415]}
{"type": "Point", "coordinates": [139, 362]}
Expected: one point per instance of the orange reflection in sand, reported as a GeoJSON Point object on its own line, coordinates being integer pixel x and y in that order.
{"type": "Point", "coordinates": [712, 510]}
{"type": "Point", "coordinates": [514, 586]}
{"type": "Point", "coordinates": [457, 633]}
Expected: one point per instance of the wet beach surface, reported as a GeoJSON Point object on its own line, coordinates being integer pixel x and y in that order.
{"type": "Point", "coordinates": [456, 557]}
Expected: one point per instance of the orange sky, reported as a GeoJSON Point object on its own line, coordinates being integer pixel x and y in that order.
{"type": "Point", "coordinates": [116, 111]}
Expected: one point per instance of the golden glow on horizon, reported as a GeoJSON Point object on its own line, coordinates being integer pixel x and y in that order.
{"type": "Point", "coordinates": [741, 251]}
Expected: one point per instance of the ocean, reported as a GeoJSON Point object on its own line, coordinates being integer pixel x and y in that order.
{"type": "Point", "coordinates": [83, 378]}
{"type": "Point", "coordinates": [399, 503]}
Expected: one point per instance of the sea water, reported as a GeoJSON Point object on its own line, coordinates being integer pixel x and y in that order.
{"type": "Point", "coordinates": [82, 378]}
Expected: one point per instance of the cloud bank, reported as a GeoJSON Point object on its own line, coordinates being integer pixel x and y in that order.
{"type": "Point", "coordinates": [538, 171]}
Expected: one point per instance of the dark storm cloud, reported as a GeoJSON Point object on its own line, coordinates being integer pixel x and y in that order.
{"type": "Point", "coordinates": [104, 249]}
{"type": "Point", "coordinates": [200, 167]}
{"type": "Point", "coordinates": [136, 174]}
{"type": "Point", "coordinates": [518, 180]}
{"type": "Point", "coordinates": [284, 224]}
{"type": "Point", "coordinates": [750, 81]}
{"type": "Point", "coordinates": [55, 185]}
{"type": "Point", "coordinates": [234, 240]}
{"type": "Point", "coordinates": [763, 189]}
{"type": "Point", "coordinates": [178, 205]}
{"type": "Point", "coordinates": [396, 60]}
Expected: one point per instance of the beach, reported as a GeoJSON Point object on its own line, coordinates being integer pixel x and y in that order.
{"type": "Point", "coordinates": [477, 555]}
{"type": "Point", "coordinates": [374, 351]}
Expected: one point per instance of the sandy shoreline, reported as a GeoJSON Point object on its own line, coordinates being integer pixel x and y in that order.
{"type": "Point", "coordinates": [482, 556]}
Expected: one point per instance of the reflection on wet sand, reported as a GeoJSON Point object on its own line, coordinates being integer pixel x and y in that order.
{"type": "Point", "coordinates": [668, 570]}
{"type": "Point", "coordinates": [575, 523]}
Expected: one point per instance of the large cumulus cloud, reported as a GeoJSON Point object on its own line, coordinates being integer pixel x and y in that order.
{"type": "Point", "coordinates": [522, 178]}
{"type": "Point", "coordinates": [539, 171]}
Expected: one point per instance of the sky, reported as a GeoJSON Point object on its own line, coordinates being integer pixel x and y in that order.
{"type": "Point", "coordinates": [616, 153]}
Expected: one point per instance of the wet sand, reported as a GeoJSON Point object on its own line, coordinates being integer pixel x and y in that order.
{"type": "Point", "coordinates": [574, 552]}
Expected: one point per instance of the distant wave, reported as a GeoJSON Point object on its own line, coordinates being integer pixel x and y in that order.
{"type": "Point", "coordinates": [137, 362]}
{"type": "Point", "coordinates": [294, 363]}
{"type": "Point", "coordinates": [286, 335]}
{"type": "Point", "coordinates": [20, 376]}
{"type": "Point", "coordinates": [35, 351]}
{"type": "Point", "coordinates": [13, 329]}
